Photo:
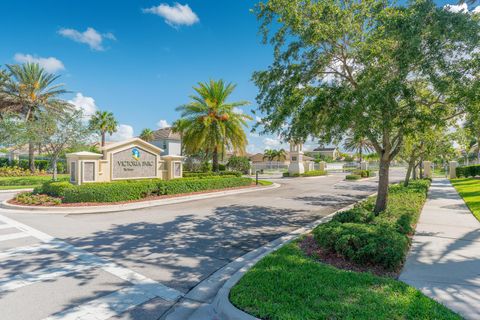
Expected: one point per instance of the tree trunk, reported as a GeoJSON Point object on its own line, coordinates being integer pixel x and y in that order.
{"type": "Point", "coordinates": [54, 168]}
{"type": "Point", "coordinates": [103, 139]}
{"type": "Point", "coordinates": [478, 150]}
{"type": "Point", "coordinates": [411, 165]}
{"type": "Point", "coordinates": [215, 160]}
{"type": "Point", "coordinates": [360, 152]}
{"type": "Point", "coordinates": [414, 175]}
{"type": "Point", "coordinates": [31, 157]}
{"type": "Point", "coordinates": [382, 193]}
{"type": "Point", "coordinates": [420, 166]}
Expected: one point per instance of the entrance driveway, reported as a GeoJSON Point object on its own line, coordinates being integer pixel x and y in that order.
{"type": "Point", "coordinates": [137, 264]}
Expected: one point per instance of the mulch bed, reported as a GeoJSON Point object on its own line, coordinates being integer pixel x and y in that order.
{"type": "Point", "coordinates": [310, 247]}
{"type": "Point", "coordinates": [92, 204]}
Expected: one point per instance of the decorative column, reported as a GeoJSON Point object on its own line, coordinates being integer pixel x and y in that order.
{"type": "Point", "coordinates": [322, 166]}
{"type": "Point", "coordinates": [296, 159]}
{"type": "Point", "coordinates": [452, 172]}
{"type": "Point", "coordinates": [427, 169]}
{"type": "Point", "coordinates": [364, 165]}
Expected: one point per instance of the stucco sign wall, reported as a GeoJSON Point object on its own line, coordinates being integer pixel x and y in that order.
{"type": "Point", "coordinates": [134, 163]}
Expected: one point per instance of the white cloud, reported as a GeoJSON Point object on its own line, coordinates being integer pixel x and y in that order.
{"type": "Point", "coordinates": [456, 7]}
{"type": "Point", "coordinates": [92, 37]}
{"type": "Point", "coordinates": [87, 104]}
{"type": "Point", "coordinates": [124, 132]}
{"type": "Point", "coordinates": [163, 124]}
{"type": "Point", "coordinates": [476, 10]}
{"type": "Point", "coordinates": [237, 110]}
{"type": "Point", "coordinates": [176, 15]}
{"type": "Point", "coordinates": [270, 142]}
{"type": "Point", "coordinates": [50, 64]}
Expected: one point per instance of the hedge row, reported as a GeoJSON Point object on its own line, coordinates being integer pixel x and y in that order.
{"type": "Point", "coordinates": [360, 236]}
{"type": "Point", "coordinates": [41, 165]}
{"type": "Point", "coordinates": [135, 190]}
{"type": "Point", "coordinates": [312, 173]}
{"type": "Point", "coordinates": [187, 174]}
{"type": "Point", "coordinates": [468, 171]}
{"type": "Point", "coordinates": [364, 173]}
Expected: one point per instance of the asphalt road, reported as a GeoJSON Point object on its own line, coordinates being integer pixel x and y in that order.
{"type": "Point", "coordinates": [135, 264]}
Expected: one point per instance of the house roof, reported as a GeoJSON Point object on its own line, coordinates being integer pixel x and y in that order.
{"type": "Point", "coordinates": [260, 157]}
{"type": "Point", "coordinates": [166, 133]}
{"type": "Point", "coordinates": [324, 149]}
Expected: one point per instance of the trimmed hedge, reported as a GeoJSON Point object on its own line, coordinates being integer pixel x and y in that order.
{"type": "Point", "coordinates": [360, 236]}
{"type": "Point", "coordinates": [314, 173]}
{"type": "Point", "coordinates": [212, 174]}
{"type": "Point", "coordinates": [364, 173]}
{"type": "Point", "coordinates": [353, 177]}
{"type": "Point", "coordinates": [135, 189]}
{"type": "Point", "coordinates": [468, 171]}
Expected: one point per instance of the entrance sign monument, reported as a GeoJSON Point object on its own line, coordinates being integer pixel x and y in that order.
{"type": "Point", "coordinates": [127, 160]}
{"type": "Point", "coordinates": [296, 159]}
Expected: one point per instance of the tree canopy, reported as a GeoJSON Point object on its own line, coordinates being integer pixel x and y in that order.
{"type": "Point", "coordinates": [362, 66]}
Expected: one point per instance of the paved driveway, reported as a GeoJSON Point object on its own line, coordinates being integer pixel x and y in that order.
{"type": "Point", "coordinates": [137, 264]}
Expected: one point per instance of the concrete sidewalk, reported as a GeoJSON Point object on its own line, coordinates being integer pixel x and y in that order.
{"type": "Point", "coordinates": [444, 261]}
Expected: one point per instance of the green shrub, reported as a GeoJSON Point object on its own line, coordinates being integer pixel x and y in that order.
{"type": "Point", "coordinates": [237, 163]}
{"type": "Point", "coordinates": [353, 177]}
{"type": "Point", "coordinates": [366, 239]}
{"type": "Point", "coordinates": [135, 189]}
{"type": "Point", "coordinates": [211, 174]}
{"type": "Point", "coordinates": [30, 198]}
{"type": "Point", "coordinates": [363, 173]}
{"type": "Point", "coordinates": [314, 173]}
{"type": "Point", "coordinates": [468, 171]}
{"type": "Point", "coordinates": [364, 243]}
{"type": "Point", "coordinates": [287, 174]}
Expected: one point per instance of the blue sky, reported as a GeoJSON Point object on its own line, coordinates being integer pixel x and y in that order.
{"type": "Point", "coordinates": [138, 59]}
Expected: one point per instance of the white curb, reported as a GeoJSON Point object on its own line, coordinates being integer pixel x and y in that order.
{"type": "Point", "coordinates": [16, 190]}
{"type": "Point", "coordinates": [134, 205]}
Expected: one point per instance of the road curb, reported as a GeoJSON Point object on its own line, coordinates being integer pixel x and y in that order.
{"type": "Point", "coordinates": [221, 306]}
{"type": "Point", "coordinates": [132, 206]}
{"type": "Point", "coordinates": [16, 190]}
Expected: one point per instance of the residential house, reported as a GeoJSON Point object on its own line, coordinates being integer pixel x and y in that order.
{"type": "Point", "coordinates": [169, 141]}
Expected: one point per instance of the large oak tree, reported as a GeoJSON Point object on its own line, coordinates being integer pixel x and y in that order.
{"type": "Point", "coordinates": [344, 66]}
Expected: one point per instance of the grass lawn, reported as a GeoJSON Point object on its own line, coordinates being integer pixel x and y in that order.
{"type": "Point", "coordinates": [469, 190]}
{"type": "Point", "coordinates": [27, 181]}
{"type": "Point", "coordinates": [265, 182]}
{"type": "Point", "coordinates": [289, 285]}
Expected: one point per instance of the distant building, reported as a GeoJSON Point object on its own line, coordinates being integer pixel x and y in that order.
{"type": "Point", "coordinates": [259, 158]}
{"type": "Point", "coordinates": [327, 152]}
{"type": "Point", "coordinates": [169, 141]}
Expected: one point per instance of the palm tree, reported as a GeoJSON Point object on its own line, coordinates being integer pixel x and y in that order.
{"type": "Point", "coordinates": [358, 144]}
{"type": "Point", "coordinates": [269, 154]}
{"type": "Point", "coordinates": [29, 90]}
{"type": "Point", "coordinates": [103, 122]}
{"type": "Point", "coordinates": [212, 124]}
{"type": "Point", "coordinates": [147, 135]}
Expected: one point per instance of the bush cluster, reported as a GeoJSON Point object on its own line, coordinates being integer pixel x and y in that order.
{"type": "Point", "coordinates": [360, 236]}
{"type": "Point", "coordinates": [468, 171]}
{"type": "Point", "coordinates": [135, 189]}
{"type": "Point", "coordinates": [312, 173]}
{"type": "Point", "coordinates": [28, 180]}
{"type": "Point", "coordinates": [40, 165]}
{"type": "Point", "coordinates": [364, 173]}
{"type": "Point", "coordinates": [17, 172]}
{"type": "Point", "coordinates": [353, 177]}
{"type": "Point", "coordinates": [37, 199]}
{"type": "Point", "coordinates": [187, 174]}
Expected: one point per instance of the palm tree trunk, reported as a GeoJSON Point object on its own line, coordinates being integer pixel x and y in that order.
{"type": "Point", "coordinates": [360, 153]}
{"type": "Point", "coordinates": [215, 159]}
{"type": "Point", "coordinates": [103, 139]}
{"type": "Point", "coordinates": [31, 156]}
